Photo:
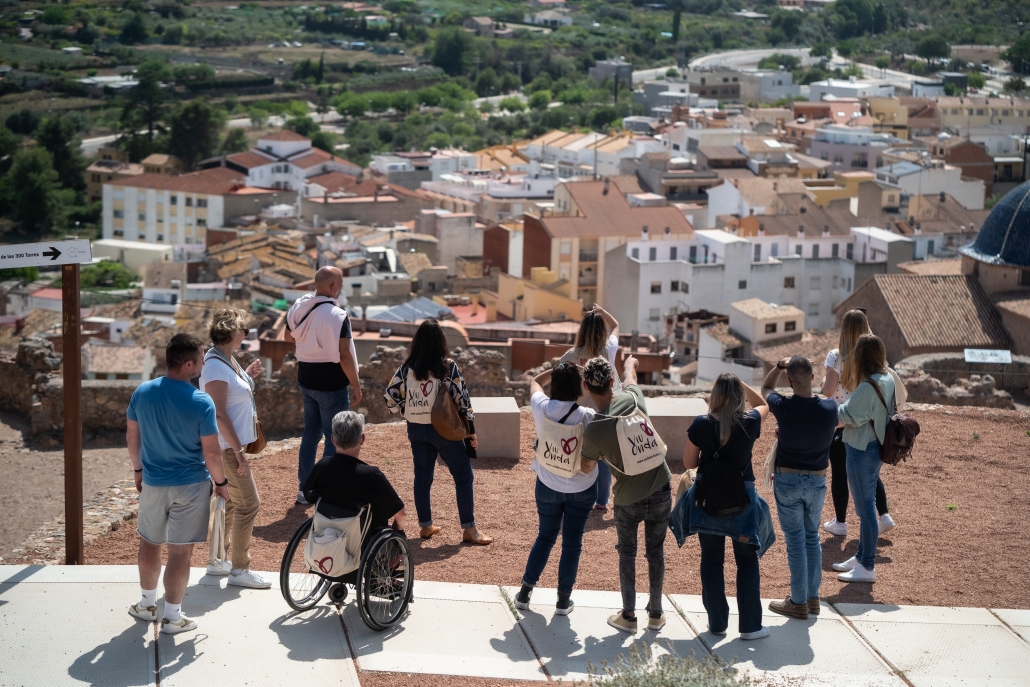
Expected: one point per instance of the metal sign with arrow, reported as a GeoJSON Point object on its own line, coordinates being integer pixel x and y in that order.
{"type": "Point", "coordinates": [75, 252]}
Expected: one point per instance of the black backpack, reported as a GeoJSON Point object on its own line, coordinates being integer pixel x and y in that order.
{"type": "Point", "coordinates": [720, 488]}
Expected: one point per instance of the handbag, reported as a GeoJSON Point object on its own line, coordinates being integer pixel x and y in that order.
{"type": "Point", "coordinates": [447, 421]}
{"type": "Point", "coordinates": [899, 436]}
{"type": "Point", "coordinates": [216, 542]}
{"type": "Point", "coordinates": [259, 443]}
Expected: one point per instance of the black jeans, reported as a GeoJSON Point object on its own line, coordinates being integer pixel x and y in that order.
{"type": "Point", "coordinates": [839, 481]}
{"type": "Point", "coordinates": [713, 585]}
{"type": "Point", "coordinates": [653, 511]}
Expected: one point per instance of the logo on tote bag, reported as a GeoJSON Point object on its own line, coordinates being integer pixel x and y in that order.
{"type": "Point", "coordinates": [427, 388]}
{"type": "Point", "coordinates": [323, 567]}
{"type": "Point", "coordinates": [569, 445]}
{"type": "Point", "coordinates": [647, 429]}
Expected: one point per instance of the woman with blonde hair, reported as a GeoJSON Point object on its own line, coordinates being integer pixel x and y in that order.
{"type": "Point", "coordinates": [864, 416]}
{"type": "Point", "coordinates": [598, 336]}
{"type": "Point", "coordinates": [843, 376]}
{"type": "Point", "coordinates": [232, 390]}
{"type": "Point", "coordinates": [728, 434]}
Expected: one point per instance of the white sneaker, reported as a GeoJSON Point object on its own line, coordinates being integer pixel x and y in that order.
{"type": "Point", "coordinates": [219, 570]}
{"type": "Point", "coordinates": [886, 523]}
{"type": "Point", "coordinates": [757, 634]}
{"type": "Point", "coordinates": [846, 566]}
{"type": "Point", "coordinates": [174, 627]}
{"type": "Point", "coordinates": [838, 528]}
{"type": "Point", "coordinates": [859, 574]}
{"type": "Point", "coordinates": [300, 498]}
{"type": "Point", "coordinates": [149, 613]}
{"type": "Point", "coordinates": [248, 578]}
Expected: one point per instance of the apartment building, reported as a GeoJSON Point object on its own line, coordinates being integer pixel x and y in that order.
{"type": "Point", "coordinates": [104, 171]}
{"type": "Point", "coordinates": [748, 196]}
{"type": "Point", "coordinates": [284, 160]}
{"type": "Point", "coordinates": [767, 85]}
{"type": "Point", "coordinates": [932, 177]}
{"type": "Point", "coordinates": [852, 87]}
{"type": "Point", "coordinates": [976, 111]}
{"type": "Point", "coordinates": [850, 148]}
{"type": "Point", "coordinates": [721, 85]}
{"type": "Point", "coordinates": [730, 347]}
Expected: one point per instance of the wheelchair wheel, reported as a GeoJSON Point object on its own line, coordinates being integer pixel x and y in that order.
{"type": "Point", "coordinates": [385, 580]}
{"type": "Point", "coordinates": [301, 588]}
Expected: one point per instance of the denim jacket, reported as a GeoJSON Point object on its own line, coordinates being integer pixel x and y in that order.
{"type": "Point", "coordinates": [753, 523]}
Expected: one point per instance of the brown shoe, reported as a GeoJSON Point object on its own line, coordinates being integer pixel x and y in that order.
{"type": "Point", "coordinates": [813, 606]}
{"type": "Point", "coordinates": [473, 536]}
{"type": "Point", "coordinates": [427, 532]}
{"type": "Point", "coordinates": [789, 609]}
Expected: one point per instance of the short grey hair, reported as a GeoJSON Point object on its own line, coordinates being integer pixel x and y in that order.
{"type": "Point", "coordinates": [348, 427]}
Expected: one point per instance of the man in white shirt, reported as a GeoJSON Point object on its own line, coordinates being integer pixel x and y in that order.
{"type": "Point", "coordinates": [327, 365]}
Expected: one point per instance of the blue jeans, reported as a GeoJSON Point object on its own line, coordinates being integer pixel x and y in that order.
{"type": "Point", "coordinates": [799, 503]}
{"type": "Point", "coordinates": [426, 445]}
{"type": "Point", "coordinates": [713, 584]}
{"type": "Point", "coordinates": [603, 483]}
{"type": "Point", "coordinates": [565, 512]}
{"type": "Point", "coordinates": [863, 472]}
{"type": "Point", "coordinates": [320, 407]}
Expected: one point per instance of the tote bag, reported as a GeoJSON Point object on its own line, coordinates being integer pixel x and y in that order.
{"type": "Point", "coordinates": [334, 544]}
{"type": "Point", "coordinates": [559, 447]}
{"type": "Point", "coordinates": [216, 542]}
{"type": "Point", "coordinates": [642, 448]}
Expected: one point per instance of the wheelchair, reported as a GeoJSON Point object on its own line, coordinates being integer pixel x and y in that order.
{"type": "Point", "coordinates": [383, 582]}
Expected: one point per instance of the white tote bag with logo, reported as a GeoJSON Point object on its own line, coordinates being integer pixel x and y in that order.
{"type": "Point", "coordinates": [559, 447]}
{"type": "Point", "coordinates": [642, 448]}
{"type": "Point", "coordinates": [419, 399]}
{"type": "Point", "coordinates": [334, 544]}
{"type": "Point", "coordinates": [216, 542]}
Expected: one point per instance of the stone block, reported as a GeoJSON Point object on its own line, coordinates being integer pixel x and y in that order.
{"type": "Point", "coordinates": [497, 426]}
{"type": "Point", "coordinates": [671, 417]}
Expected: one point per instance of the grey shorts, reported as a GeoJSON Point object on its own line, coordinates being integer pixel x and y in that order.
{"type": "Point", "coordinates": [175, 515]}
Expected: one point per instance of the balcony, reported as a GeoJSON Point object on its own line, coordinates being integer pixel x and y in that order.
{"type": "Point", "coordinates": [587, 282]}
{"type": "Point", "coordinates": [587, 257]}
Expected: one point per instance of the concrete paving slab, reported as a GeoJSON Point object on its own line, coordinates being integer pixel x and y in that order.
{"type": "Point", "coordinates": [250, 636]}
{"type": "Point", "coordinates": [567, 644]}
{"type": "Point", "coordinates": [39, 646]}
{"type": "Point", "coordinates": [1019, 621]}
{"type": "Point", "coordinates": [491, 643]}
{"type": "Point", "coordinates": [822, 650]}
{"type": "Point", "coordinates": [940, 647]}
{"type": "Point", "coordinates": [70, 573]}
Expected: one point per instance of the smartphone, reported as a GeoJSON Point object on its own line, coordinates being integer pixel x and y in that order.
{"type": "Point", "coordinates": [469, 450]}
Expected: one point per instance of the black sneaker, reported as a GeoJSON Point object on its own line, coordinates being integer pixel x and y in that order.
{"type": "Point", "coordinates": [564, 605]}
{"type": "Point", "coordinates": [522, 598]}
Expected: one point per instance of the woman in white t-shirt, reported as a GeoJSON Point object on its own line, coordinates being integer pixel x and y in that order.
{"type": "Point", "coordinates": [598, 335]}
{"type": "Point", "coordinates": [842, 376]}
{"type": "Point", "coordinates": [232, 390]}
{"type": "Point", "coordinates": [564, 495]}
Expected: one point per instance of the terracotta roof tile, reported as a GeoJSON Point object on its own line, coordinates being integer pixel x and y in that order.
{"type": "Point", "coordinates": [759, 309]}
{"type": "Point", "coordinates": [249, 159]}
{"type": "Point", "coordinates": [612, 215]}
{"type": "Point", "coordinates": [814, 345]}
{"type": "Point", "coordinates": [414, 263]}
{"type": "Point", "coordinates": [284, 135]}
{"type": "Point", "coordinates": [721, 333]}
{"type": "Point", "coordinates": [932, 267]}
{"type": "Point", "coordinates": [214, 181]}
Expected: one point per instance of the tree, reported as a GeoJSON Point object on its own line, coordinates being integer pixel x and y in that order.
{"type": "Point", "coordinates": [1018, 54]}
{"type": "Point", "coordinates": [324, 141]}
{"type": "Point", "coordinates": [403, 101]}
{"type": "Point", "coordinates": [106, 273]}
{"type": "Point", "coordinates": [602, 117]}
{"type": "Point", "coordinates": [540, 100]}
{"type": "Point", "coordinates": [134, 30]}
{"type": "Point", "coordinates": [933, 47]}
{"type": "Point", "coordinates": [512, 104]}
{"type": "Point", "coordinates": [846, 49]}
{"type": "Point", "coordinates": [29, 192]}
{"type": "Point", "coordinates": [305, 126]}
{"type": "Point", "coordinates": [9, 141]}
{"type": "Point", "coordinates": [235, 141]}
{"type": "Point", "coordinates": [677, 19]}
{"type": "Point", "coordinates": [194, 132]}
{"type": "Point", "coordinates": [487, 82]}
{"type": "Point", "coordinates": [145, 105]}
{"type": "Point", "coordinates": [787, 22]}
{"type": "Point", "coordinates": [23, 122]}
{"type": "Point", "coordinates": [882, 62]}
{"type": "Point", "coordinates": [452, 49]}
{"type": "Point", "coordinates": [320, 74]}
{"type": "Point", "coordinates": [1015, 85]}
{"type": "Point", "coordinates": [257, 117]}
{"type": "Point", "coordinates": [976, 80]}
{"type": "Point", "coordinates": [821, 49]}
{"type": "Point", "coordinates": [57, 135]}
{"type": "Point", "coordinates": [352, 104]}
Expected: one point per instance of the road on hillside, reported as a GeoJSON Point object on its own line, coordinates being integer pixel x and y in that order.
{"type": "Point", "coordinates": [736, 59]}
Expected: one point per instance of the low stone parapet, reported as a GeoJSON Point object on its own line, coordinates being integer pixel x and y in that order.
{"type": "Point", "coordinates": [671, 417]}
{"type": "Point", "coordinates": [498, 423]}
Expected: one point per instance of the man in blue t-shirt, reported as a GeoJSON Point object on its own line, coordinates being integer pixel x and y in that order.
{"type": "Point", "coordinates": [806, 426]}
{"type": "Point", "coordinates": [173, 446]}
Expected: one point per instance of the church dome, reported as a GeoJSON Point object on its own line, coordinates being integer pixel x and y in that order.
{"type": "Point", "coordinates": [1004, 238]}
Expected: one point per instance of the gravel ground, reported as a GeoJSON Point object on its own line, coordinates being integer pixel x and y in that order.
{"type": "Point", "coordinates": [969, 477]}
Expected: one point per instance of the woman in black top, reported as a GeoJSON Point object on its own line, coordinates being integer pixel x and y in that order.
{"type": "Point", "coordinates": [730, 430]}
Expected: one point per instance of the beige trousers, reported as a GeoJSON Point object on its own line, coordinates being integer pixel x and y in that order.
{"type": "Point", "coordinates": [240, 511]}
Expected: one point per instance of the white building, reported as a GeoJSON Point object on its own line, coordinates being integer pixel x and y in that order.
{"type": "Point", "coordinates": [284, 160]}
{"type": "Point", "coordinates": [932, 178]}
{"type": "Point", "coordinates": [133, 254]}
{"type": "Point", "coordinates": [729, 347]}
{"type": "Point", "coordinates": [853, 87]}
{"type": "Point", "coordinates": [459, 234]}
{"type": "Point", "coordinates": [749, 196]}
{"type": "Point", "coordinates": [682, 139]}
{"type": "Point", "coordinates": [767, 85]}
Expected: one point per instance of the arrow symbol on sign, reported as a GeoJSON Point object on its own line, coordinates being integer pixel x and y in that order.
{"type": "Point", "coordinates": [53, 253]}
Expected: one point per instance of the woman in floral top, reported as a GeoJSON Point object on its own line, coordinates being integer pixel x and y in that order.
{"type": "Point", "coordinates": [412, 392]}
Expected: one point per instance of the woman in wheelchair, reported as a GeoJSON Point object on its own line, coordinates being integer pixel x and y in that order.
{"type": "Point", "coordinates": [343, 485]}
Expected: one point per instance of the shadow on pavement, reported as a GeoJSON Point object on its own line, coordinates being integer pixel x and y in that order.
{"type": "Point", "coordinates": [110, 664]}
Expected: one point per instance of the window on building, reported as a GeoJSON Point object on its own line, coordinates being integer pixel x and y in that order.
{"type": "Point", "coordinates": [954, 110]}
{"type": "Point", "coordinates": [774, 249]}
{"type": "Point", "coordinates": [652, 253]}
{"type": "Point", "coordinates": [770, 328]}
{"type": "Point", "coordinates": [815, 283]}
{"type": "Point", "coordinates": [201, 222]}
{"type": "Point", "coordinates": [119, 232]}
{"type": "Point", "coordinates": [201, 202]}
{"type": "Point", "coordinates": [566, 247]}
{"type": "Point", "coordinates": [788, 282]}
{"type": "Point", "coordinates": [798, 250]}
{"type": "Point", "coordinates": [815, 251]}
{"type": "Point", "coordinates": [693, 254]}
{"type": "Point", "coordinates": [118, 214]}
{"type": "Point", "coordinates": [142, 217]}
{"type": "Point", "coordinates": [979, 112]}
{"type": "Point", "coordinates": [673, 253]}
{"type": "Point", "coordinates": [655, 314]}
{"type": "Point", "coordinates": [835, 281]}
{"type": "Point", "coordinates": [838, 158]}
{"type": "Point", "coordinates": [835, 250]}
{"type": "Point", "coordinates": [635, 253]}
{"type": "Point", "coordinates": [824, 155]}
{"type": "Point", "coordinates": [742, 284]}
{"type": "Point", "coordinates": [929, 247]}
{"type": "Point", "coordinates": [674, 286]}
{"type": "Point", "coordinates": [758, 252]}
{"type": "Point", "coordinates": [813, 310]}
{"type": "Point", "coordinates": [160, 238]}
{"type": "Point", "coordinates": [684, 287]}
{"type": "Point", "coordinates": [1024, 278]}
{"type": "Point", "coordinates": [189, 202]}
{"type": "Point", "coordinates": [790, 326]}
{"type": "Point", "coordinates": [656, 287]}
{"type": "Point", "coordinates": [850, 253]}
{"type": "Point", "coordinates": [173, 199]}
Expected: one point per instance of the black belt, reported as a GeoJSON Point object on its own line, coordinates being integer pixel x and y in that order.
{"type": "Point", "coordinates": [808, 473]}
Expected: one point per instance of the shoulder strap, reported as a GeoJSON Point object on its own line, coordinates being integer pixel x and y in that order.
{"type": "Point", "coordinates": [879, 394]}
{"type": "Point", "coordinates": [218, 356]}
{"type": "Point", "coordinates": [566, 416]}
{"type": "Point", "coordinates": [308, 313]}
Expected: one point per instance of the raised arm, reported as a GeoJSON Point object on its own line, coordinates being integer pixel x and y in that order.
{"type": "Point", "coordinates": [830, 381]}
{"type": "Point", "coordinates": [756, 400]}
{"type": "Point", "coordinates": [537, 385]}
{"type": "Point", "coordinates": [629, 370]}
{"type": "Point", "coordinates": [611, 322]}
{"type": "Point", "coordinates": [769, 385]}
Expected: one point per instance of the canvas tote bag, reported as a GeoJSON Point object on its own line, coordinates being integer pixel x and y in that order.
{"type": "Point", "coordinates": [216, 542]}
{"type": "Point", "coordinates": [642, 448]}
{"type": "Point", "coordinates": [559, 447]}
{"type": "Point", "coordinates": [334, 544]}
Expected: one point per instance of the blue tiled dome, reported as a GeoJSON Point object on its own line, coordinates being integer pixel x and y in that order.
{"type": "Point", "coordinates": [1004, 238]}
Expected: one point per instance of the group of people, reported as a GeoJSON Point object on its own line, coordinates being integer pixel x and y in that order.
{"type": "Point", "coordinates": [187, 444]}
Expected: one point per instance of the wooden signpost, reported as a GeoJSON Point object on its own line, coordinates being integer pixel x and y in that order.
{"type": "Point", "coordinates": [69, 254]}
